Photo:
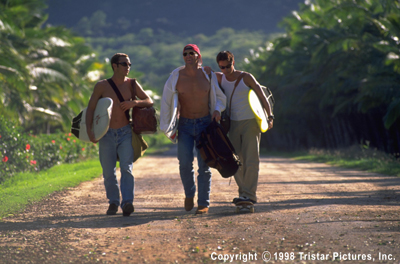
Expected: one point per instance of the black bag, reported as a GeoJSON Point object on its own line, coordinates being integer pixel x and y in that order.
{"type": "Point", "coordinates": [217, 151]}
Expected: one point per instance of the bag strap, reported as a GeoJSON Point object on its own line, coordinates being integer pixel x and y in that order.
{"type": "Point", "coordinates": [116, 90]}
{"type": "Point", "coordinates": [240, 77]}
{"type": "Point", "coordinates": [133, 88]}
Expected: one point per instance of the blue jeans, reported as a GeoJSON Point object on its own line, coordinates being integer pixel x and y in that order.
{"type": "Point", "coordinates": [117, 143]}
{"type": "Point", "coordinates": [189, 131]}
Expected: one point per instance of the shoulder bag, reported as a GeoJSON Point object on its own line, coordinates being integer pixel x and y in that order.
{"type": "Point", "coordinates": [144, 120]}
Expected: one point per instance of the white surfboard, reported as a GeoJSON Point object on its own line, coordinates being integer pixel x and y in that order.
{"type": "Point", "coordinates": [101, 120]}
{"type": "Point", "coordinates": [258, 110]}
{"type": "Point", "coordinates": [173, 125]}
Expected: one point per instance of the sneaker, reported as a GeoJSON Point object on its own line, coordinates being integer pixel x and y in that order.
{"type": "Point", "coordinates": [112, 209]}
{"type": "Point", "coordinates": [235, 200]}
{"type": "Point", "coordinates": [127, 209]}
{"type": "Point", "coordinates": [189, 204]}
{"type": "Point", "coordinates": [241, 199]}
{"type": "Point", "coordinates": [202, 210]}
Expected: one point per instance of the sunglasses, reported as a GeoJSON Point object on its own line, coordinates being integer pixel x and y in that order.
{"type": "Point", "coordinates": [124, 64]}
{"type": "Point", "coordinates": [188, 53]}
{"type": "Point", "coordinates": [227, 66]}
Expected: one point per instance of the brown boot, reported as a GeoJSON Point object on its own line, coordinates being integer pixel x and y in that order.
{"type": "Point", "coordinates": [189, 204]}
{"type": "Point", "coordinates": [202, 210]}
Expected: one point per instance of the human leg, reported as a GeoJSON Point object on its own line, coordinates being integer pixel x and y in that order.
{"type": "Point", "coordinates": [204, 183]}
{"type": "Point", "coordinates": [246, 137]}
{"type": "Point", "coordinates": [235, 136]}
{"type": "Point", "coordinates": [108, 161]}
{"type": "Point", "coordinates": [251, 136]}
{"type": "Point", "coordinates": [125, 154]}
{"type": "Point", "coordinates": [185, 157]}
{"type": "Point", "coordinates": [204, 172]}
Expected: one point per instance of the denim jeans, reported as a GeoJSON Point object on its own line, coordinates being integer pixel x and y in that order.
{"type": "Point", "coordinates": [117, 143]}
{"type": "Point", "coordinates": [189, 131]}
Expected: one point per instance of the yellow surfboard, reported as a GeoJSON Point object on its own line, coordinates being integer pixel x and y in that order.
{"type": "Point", "coordinates": [258, 110]}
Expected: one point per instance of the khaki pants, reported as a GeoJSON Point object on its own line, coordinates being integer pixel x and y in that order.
{"type": "Point", "coordinates": [245, 136]}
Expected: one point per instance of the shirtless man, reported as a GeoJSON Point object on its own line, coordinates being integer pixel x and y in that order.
{"type": "Point", "coordinates": [117, 142]}
{"type": "Point", "coordinates": [200, 101]}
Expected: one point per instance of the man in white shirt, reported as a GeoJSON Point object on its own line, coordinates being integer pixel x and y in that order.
{"type": "Point", "coordinates": [200, 101]}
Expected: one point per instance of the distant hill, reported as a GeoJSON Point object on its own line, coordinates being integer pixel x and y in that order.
{"type": "Point", "coordinates": [181, 17]}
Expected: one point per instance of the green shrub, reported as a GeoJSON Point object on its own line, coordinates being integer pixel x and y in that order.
{"type": "Point", "coordinates": [24, 152]}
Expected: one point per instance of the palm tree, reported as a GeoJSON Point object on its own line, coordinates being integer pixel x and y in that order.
{"type": "Point", "coordinates": [40, 68]}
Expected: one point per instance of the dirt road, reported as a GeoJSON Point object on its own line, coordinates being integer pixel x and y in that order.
{"type": "Point", "coordinates": [307, 213]}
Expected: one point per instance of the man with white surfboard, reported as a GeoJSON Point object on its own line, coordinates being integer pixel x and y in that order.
{"type": "Point", "coordinates": [189, 103]}
{"type": "Point", "coordinates": [117, 142]}
{"type": "Point", "coordinates": [245, 130]}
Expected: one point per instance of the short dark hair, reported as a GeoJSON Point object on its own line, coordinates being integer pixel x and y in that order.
{"type": "Point", "coordinates": [115, 58]}
{"type": "Point", "coordinates": [225, 55]}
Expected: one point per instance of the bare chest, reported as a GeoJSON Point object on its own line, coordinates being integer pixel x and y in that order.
{"type": "Point", "coordinates": [123, 89]}
{"type": "Point", "coordinates": [193, 86]}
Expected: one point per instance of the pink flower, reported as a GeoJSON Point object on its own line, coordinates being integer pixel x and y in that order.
{"type": "Point", "coordinates": [28, 147]}
{"type": "Point", "coordinates": [33, 162]}
{"type": "Point", "coordinates": [68, 139]}
{"type": "Point", "coordinates": [5, 159]}
{"type": "Point", "coordinates": [53, 141]}
{"type": "Point", "coordinates": [83, 149]}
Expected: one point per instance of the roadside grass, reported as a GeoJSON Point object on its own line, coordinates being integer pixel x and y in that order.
{"type": "Point", "coordinates": [157, 142]}
{"type": "Point", "coordinates": [356, 157]}
{"type": "Point", "coordinates": [25, 188]}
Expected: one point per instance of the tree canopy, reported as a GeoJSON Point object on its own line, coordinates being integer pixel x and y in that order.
{"type": "Point", "coordinates": [336, 75]}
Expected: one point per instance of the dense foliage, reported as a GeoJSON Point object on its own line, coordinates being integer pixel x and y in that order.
{"type": "Point", "coordinates": [45, 72]}
{"type": "Point", "coordinates": [335, 75]}
{"type": "Point", "coordinates": [21, 152]}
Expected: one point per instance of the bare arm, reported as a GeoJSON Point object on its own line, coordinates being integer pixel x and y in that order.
{"type": "Point", "coordinates": [96, 95]}
{"type": "Point", "coordinates": [144, 99]}
{"type": "Point", "coordinates": [251, 82]}
{"type": "Point", "coordinates": [219, 77]}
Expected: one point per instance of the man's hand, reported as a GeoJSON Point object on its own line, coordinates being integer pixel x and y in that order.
{"type": "Point", "coordinates": [207, 69]}
{"type": "Point", "coordinates": [216, 115]}
{"type": "Point", "coordinates": [91, 137]}
{"type": "Point", "coordinates": [270, 123]}
{"type": "Point", "coordinates": [126, 105]}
